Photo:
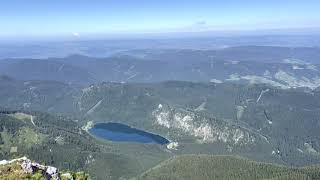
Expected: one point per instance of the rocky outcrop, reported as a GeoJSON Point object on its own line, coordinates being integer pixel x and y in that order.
{"type": "Point", "coordinates": [49, 171]}
{"type": "Point", "coordinates": [24, 168]}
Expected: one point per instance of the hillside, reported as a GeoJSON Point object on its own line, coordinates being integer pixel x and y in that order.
{"type": "Point", "coordinates": [217, 118]}
{"type": "Point", "coordinates": [44, 69]}
{"type": "Point", "coordinates": [61, 142]}
{"type": "Point", "coordinates": [257, 121]}
{"type": "Point", "coordinates": [206, 167]}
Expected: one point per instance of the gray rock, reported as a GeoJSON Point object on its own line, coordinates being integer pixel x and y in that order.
{"type": "Point", "coordinates": [53, 172]}
{"type": "Point", "coordinates": [27, 166]}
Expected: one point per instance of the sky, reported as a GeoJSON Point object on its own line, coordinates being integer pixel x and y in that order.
{"type": "Point", "coordinates": [76, 18]}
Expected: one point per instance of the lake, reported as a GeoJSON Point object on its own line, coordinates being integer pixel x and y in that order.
{"type": "Point", "coordinates": [121, 132]}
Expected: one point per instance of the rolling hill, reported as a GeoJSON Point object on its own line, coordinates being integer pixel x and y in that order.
{"type": "Point", "coordinates": [205, 167]}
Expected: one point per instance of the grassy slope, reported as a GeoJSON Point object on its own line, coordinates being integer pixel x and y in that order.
{"type": "Point", "coordinates": [205, 167]}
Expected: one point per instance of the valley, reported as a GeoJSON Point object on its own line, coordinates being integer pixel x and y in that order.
{"type": "Point", "coordinates": [159, 90]}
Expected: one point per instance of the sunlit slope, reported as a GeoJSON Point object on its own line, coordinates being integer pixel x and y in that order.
{"type": "Point", "coordinates": [205, 167]}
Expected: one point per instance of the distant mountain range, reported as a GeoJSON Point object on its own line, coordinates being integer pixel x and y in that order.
{"type": "Point", "coordinates": [111, 46]}
{"type": "Point", "coordinates": [277, 66]}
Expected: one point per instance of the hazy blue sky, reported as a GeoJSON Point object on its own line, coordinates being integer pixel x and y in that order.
{"type": "Point", "coordinates": [78, 17]}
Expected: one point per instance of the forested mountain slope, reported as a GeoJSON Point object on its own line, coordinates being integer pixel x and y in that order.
{"type": "Point", "coordinates": [258, 121]}
{"type": "Point", "coordinates": [206, 167]}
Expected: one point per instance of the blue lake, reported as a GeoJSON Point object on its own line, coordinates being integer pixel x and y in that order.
{"type": "Point", "coordinates": [122, 132]}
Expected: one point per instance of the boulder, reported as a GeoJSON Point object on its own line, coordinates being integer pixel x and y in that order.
{"type": "Point", "coordinates": [27, 166]}
{"type": "Point", "coordinates": [53, 172]}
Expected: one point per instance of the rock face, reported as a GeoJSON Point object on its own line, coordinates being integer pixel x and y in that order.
{"type": "Point", "coordinates": [203, 129]}
{"type": "Point", "coordinates": [27, 166]}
